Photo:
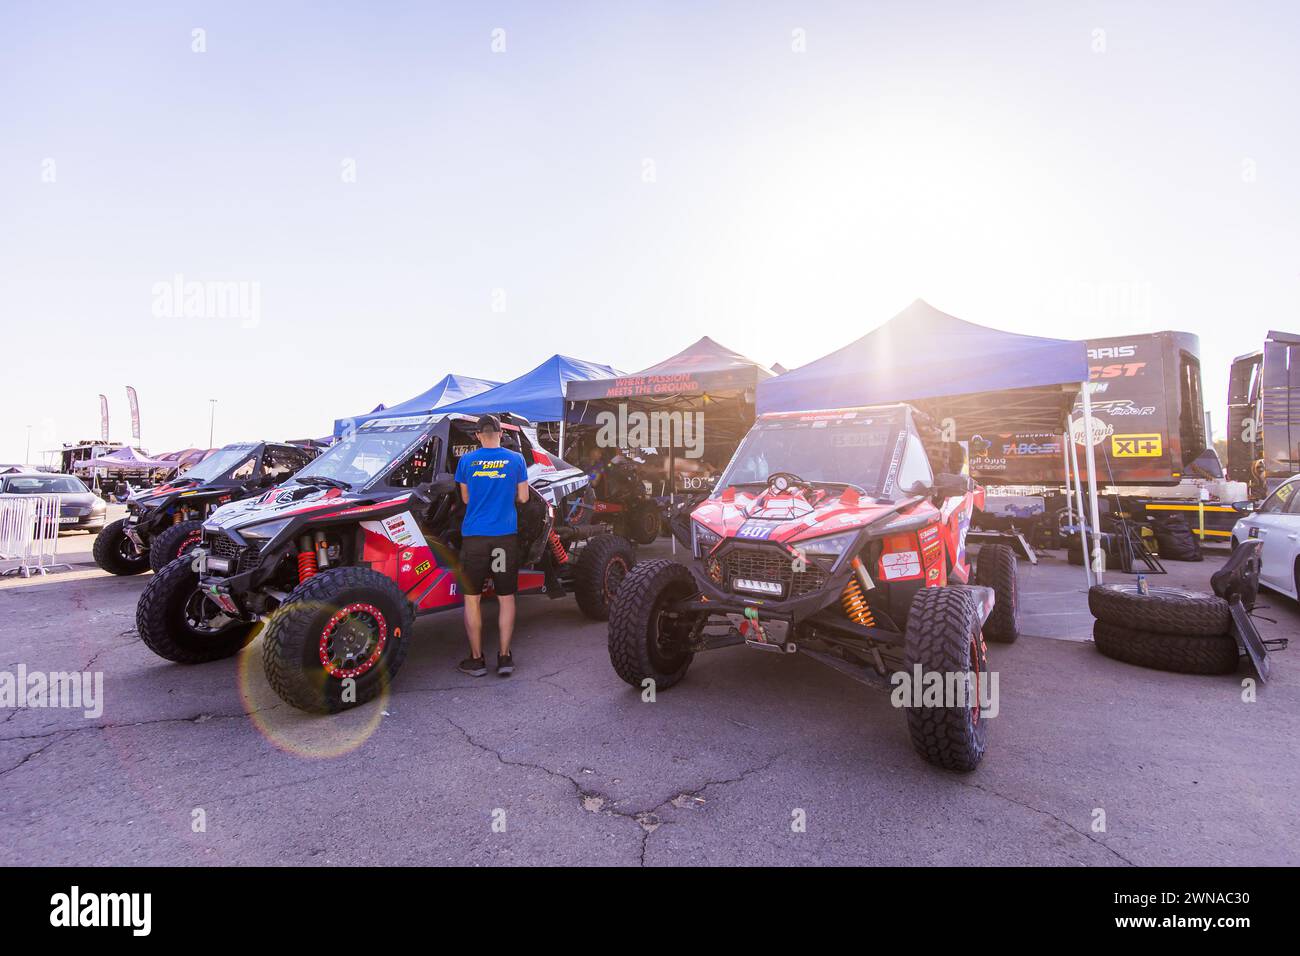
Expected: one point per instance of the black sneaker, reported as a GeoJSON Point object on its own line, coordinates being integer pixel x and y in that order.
{"type": "Point", "coordinates": [505, 665]}
{"type": "Point", "coordinates": [473, 666]}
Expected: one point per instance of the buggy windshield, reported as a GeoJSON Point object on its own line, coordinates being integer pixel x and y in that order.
{"type": "Point", "coordinates": [360, 456]}
{"type": "Point", "coordinates": [220, 462]}
{"type": "Point", "coordinates": [850, 447]}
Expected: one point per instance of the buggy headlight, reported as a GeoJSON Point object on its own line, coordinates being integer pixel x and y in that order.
{"type": "Point", "coordinates": [262, 533]}
{"type": "Point", "coordinates": [831, 547]}
{"type": "Point", "coordinates": [703, 540]}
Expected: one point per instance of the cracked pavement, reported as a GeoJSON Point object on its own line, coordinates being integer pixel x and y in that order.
{"type": "Point", "coordinates": [581, 771]}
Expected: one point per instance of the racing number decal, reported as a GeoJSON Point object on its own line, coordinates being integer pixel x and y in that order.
{"type": "Point", "coordinates": [1135, 446]}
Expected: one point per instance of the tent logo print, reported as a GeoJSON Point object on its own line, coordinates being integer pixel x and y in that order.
{"type": "Point", "coordinates": [1135, 446]}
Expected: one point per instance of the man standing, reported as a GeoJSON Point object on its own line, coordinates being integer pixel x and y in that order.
{"type": "Point", "coordinates": [491, 480]}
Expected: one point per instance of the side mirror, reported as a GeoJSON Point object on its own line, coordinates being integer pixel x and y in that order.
{"type": "Point", "coordinates": [950, 486]}
{"type": "Point", "coordinates": [443, 483]}
{"type": "Point", "coordinates": [1245, 507]}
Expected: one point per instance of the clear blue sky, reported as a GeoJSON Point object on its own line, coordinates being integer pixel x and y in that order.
{"type": "Point", "coordinates": [985, 157]}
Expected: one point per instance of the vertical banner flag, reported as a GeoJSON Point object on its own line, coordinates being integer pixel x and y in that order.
{"type": "Point", "coordinates": [135, 412]}
{"type": "Point", "coordinates": [103, 417]}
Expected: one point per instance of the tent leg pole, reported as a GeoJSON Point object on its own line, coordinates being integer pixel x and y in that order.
{"type": "Point", "coordinates": [1069, 501]}
{"type": "Point", "coordinates": [1078, 490]}
{"type": "Point", "coordinates": [561, 452]}
{"type": "Point", "coordinates": [1099, 559]}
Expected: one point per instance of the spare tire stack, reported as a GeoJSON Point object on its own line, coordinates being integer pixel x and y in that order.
{"type": "Point", "coordinates": [1168, 628]}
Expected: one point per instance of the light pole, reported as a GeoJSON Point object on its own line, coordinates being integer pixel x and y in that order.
{"type": "Point", "coordinates": [212, 417]}
{"type": "Point", "coordinates": [27, 458]}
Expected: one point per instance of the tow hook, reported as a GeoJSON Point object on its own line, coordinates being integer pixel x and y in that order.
{"type": "Point", "coordinates": [756, 635]}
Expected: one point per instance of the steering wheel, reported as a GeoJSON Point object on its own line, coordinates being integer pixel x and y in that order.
{"type": "Point", "coordinates": [782, 481]}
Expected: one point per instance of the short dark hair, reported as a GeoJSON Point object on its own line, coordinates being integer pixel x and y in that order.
{"type": "Point", "coordinates": [487, 423]}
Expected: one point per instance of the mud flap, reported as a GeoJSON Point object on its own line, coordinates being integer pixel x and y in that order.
{"type": "Point", "coordinates": [1243, 629]}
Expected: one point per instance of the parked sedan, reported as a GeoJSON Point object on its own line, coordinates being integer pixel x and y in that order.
{"type": "Point", "coordinates": [1276, 522]}
{"type": "Point", "coordinates": [79, 507]}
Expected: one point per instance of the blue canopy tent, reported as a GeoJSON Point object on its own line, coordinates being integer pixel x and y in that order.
{"type": "Point", "coordinates": [448, 389]}
{"type": "Point", "coordinates": [977, 380]}
{"type": "Point", "coordinates": [538, 394]}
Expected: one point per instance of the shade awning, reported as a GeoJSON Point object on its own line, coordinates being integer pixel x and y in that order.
{"type": "Point", "coordinates": [704, 366]}
{"type": "Point", "coordinates": [538, 394]}
{"type": "Point", "coordinates": [447, 390]}
{"type": "Point", "coordinates": [980, 378]}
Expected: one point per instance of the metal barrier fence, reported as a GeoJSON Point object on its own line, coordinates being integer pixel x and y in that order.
{"type": "Point", "coordinates": [29, 533]}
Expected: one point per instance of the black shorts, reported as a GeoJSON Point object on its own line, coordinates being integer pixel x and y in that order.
{"type": "Point", "coordinates": [495, 557]}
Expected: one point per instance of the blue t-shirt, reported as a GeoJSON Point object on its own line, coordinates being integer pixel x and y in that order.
{"type": "Point", "coordinates": [492, 475]}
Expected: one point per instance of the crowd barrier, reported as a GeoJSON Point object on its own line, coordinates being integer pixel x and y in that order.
{"type": "Point", "coordinates": [29, 533]}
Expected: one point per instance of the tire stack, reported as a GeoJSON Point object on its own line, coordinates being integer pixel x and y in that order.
{"type": "Point", "coordinates": [1168, 628]}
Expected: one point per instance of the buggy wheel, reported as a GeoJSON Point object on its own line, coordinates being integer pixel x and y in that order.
{"type": "Point", "coordinates": [995, 567]}
{"type": "Point", "coordinates": [943, 637]}
{"type": "Point", "coordinates": [1180, 653]}
{"type": "Point", "coordinates": [177, 540]}
{"type": "Point", "coordinates": [116, 553]}
{"type": "Point", "coordinates": [179, 623]}
{"type": "Point", "coordinates": [602, 565]}
{"type": "Point", "coordinates": [337, 640]}
{"type": "Point", "coordinates": [646, 641]}
{"type": "Point", "coordinates": [644, 522]}
{"type": "Point", "coordinates": [1165, 610]}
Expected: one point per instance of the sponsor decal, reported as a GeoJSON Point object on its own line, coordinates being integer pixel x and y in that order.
{"type": "Point", "coordinates": [422, 567]}
{"type": "Point", "coordinates": [900, 564]}
{"type": "Point", "coordinates": [1118, 370]}
{"type": "Point", "coordinates": [1136, 446]}
{"type": "Point", "coordinates": [1112, 352]}
{"type": "Point", "coordinates": [755, 530]}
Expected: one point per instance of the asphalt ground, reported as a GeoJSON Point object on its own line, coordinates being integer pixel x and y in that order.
{"type": "Point", "coordinates": [754, 758]}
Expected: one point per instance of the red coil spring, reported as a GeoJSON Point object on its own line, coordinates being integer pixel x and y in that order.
{"type": "Point", "coordinates": [557, 549]}
{"type": "Point", "coordinates": [306, 565]}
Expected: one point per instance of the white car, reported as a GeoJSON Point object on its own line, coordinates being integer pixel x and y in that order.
{"type": "Point", "coordinates": [1276, 522]}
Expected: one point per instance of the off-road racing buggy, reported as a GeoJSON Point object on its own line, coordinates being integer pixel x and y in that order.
{"type": "Point", "coordinates": [622, 500]}
{"type": "Point", "coordinates": [164, 522]}
{"type": "Point", "coordinates": [830, 534]}
{"type": "Point", "coordinates": [338, 561]}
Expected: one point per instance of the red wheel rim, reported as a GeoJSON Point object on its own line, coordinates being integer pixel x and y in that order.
{"type": "Point", "coordinates": [189, 542]}
{"type": "Point", "coordinates": [611, 587]}
{"type": "Point", "coordinates": [339, 636]}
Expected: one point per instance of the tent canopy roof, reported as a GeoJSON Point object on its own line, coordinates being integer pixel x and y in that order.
{"type": "Point", "coordinates": [538, 394]}
{"type": "Point", "coordinates": [124, 459]}
{"type": "Point", "coordinates": [448, 389]}
{"type": "Point", "coordinates": [703, 366]}
{"type": "Point", "coordinates": [986, 380]}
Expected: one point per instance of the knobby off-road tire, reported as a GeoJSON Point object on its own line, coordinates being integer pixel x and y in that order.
{"type": "Point", "coordinates": [166, 616]}
{"type": "Point", "coordinates": [995, 567]}
{"type": "Point", "coordinates": [116, 553]}
{"type": "Point", "coordinates": [177, 540]}
{"type": "Point", "coordinates": [1182, 654]}
{"type": "Point", "coordinates": [323, 614]}
{"type": "Point", "coordinates": [603, 564]}
{"type": "Point", "coordinates": [643, 523]}
{"type": "Point", "coordinates": [943, 636]}
{"type": "Point", "coordinates": [641, 644]}
{"type": "Point", "coordinates": [1165, 610]}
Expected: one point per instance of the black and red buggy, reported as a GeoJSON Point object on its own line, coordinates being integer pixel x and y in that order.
{"type": "Point", "coordinates": [338, 561]}
{"type": "Point", "coordinates": [830, 534]}
{"type": "Point", "coordinates": [164, 522]}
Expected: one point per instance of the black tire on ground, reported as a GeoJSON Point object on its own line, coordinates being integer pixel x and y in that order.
{"type": "Point", "coordinates": [1165, 610]}
{"type": "Point", "coordinates": [602, 565]}
{"type": "Point", "coordinates": [179, 623]}
{"type": "Point", "coordinates": [171, 544]}
{"type": "Point", "coordinates": [642, 640]}
{"type": "Point", "coordinates": [995, 567]}
{"type": "Point", "coordinates": [943, 636]}
{"type": "Point", "coordinates": [354, 618]}
{"type": "Point", "coordinates": [116, 553]}
{"type": "Point", "coordinates": [1182, 654]}
{"type": "Point", "coordinates": [643, 522]}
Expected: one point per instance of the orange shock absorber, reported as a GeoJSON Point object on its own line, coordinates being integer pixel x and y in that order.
{"type": "Point", "coordinates": [306, 564]}
{"type": "Point", "coordinates": [854, 602]}
{"type": "Point", "coordinates": [557, 549]}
